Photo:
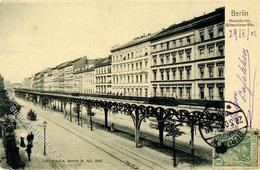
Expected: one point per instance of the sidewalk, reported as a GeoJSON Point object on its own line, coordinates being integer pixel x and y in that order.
{"type": "Point", "coordinates": [37, 156]}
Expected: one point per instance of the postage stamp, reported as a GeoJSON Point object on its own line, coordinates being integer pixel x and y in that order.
{"type": "Point", "coordinates": [245, 154]}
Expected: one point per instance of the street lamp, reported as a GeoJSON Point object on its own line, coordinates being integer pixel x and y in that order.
{"type": "Point", "coordinates": [44, 125]}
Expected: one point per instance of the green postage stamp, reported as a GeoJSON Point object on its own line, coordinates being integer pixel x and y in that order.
{"type": "Point", "coordinates": [245, 154]}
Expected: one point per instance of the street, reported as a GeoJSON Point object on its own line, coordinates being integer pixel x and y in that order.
{"type": "Point", "coordinates": [83, 149]}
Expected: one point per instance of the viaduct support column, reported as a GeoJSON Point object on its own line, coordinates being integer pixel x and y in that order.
{"type": "Point", "coordinates": [106, 115]}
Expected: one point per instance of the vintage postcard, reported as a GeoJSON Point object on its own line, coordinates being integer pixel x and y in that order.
{"type": "Point", "coordinates": [130, 84]}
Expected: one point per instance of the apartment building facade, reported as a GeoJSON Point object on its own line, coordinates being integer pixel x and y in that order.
{"type": "Point", "coordinates": [131, 68]}
{"type": "Point", "coordinates": [54, 79]}
{"type": "Point", "coordinates": [47, 79]}
{"type": "Point", "coordinates": [187, 59]}
{"type": "Point", "coordinates": [38, 81]}
{"type": "Point", "coordinates": [68, 77]}
{"type": "Point", "coordinates": [103, 76]}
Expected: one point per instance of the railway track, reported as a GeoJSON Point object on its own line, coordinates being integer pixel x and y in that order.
{"type": "Point", "coordinates": [126, 156]}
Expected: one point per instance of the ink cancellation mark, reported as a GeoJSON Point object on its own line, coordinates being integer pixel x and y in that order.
{"type": "Point", "coordinates": [224, 128]}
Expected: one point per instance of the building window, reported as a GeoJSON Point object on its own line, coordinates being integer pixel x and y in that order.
{"type": "Point", "coordinates": [154, 75]}
{"type": "Point", "coordinates": [162, 59]}
{"type": "Point", "coordinates": [136, 78]}
{"type": "Point", "coordinates": [211, 71]}
{"type": "Point", "coordinates": [202, 93]}
{"type": "Point", "coordinates": [174, 43]}
{"type": "Point", "coordinates": [173, 57]}
{"type": "Point", "coordinates": [161, 46]}
{"type": "Point", "coordinates": [188, 40]}
{"type": "Point", "coordinates": [162, 75]}
{"type": "Point", "coordinates": [146, 92]}
{"type": "Point", "coordinates": [220, 31]}
{"type": "Point", "coordinates": [154, 91]}
{"type": "Point", "coordinates": [146, 78]}
{"type": "Point", "coordinates": [202, 72]}
{"type": "Point", "coordinates": [201, 50]}
{"type": "Point", "coordinates": [132, 54]}
{"type": "Point", "coordinates": [136, 66]}
{"type": "Point", "coordinates": [221, 93]}
{"type": "Point", "coordinates": [211, 93]}
{"type": "Point", "coordinates": [180, 56]}
{"type": "Point", "coordinates": [211, 51]}
{"type": "Point", "coordinates": [154, 48]}
{"type": "Point", "coordinates": [188, 73]}
{"type": "Point", "coordinates": [180, 92]}
{"type": "Point", "coordinates": [221, 71]}
{"type": "Point", "coordinates": [174, 74]}
{"type": "Point", "coordinates": [167, 45]}
{"type": "Point", "coordinates": [141, 65]}
{"type": "Point", "coordinates": [221, 50]}
{"type": "Point", "coordinates": [141, 78]}
{"type": "Point", "coordinates": [168, 74]}
{"type": "Point", "coordinates": [211, 34]}
{"type": "Point", "coordinates": [180, 42]}
{"type": "Point", "coordinates": [180, 74]}
{"type": "Point", "coordinates": [188, 55]}
{"type": "Point", "coordinates": [188, 92]}
{"type": "Point", "coordinates": [167, 58]}
{"type": "Point", "coordinates": [174, 92]}
{"type": "Point", "coordinates": [167, 91]}
{"type": "Point", "coordinates": [162, 91]}
{"type": "Point", "coordinates": [201, 36]}
{"type": "Point", "coordinates": [146, 64]}
{"type": "Point", "coordinates": [155, 60]}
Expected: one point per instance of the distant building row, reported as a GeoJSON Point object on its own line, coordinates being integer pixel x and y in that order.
{"type": "Point", "coordinates": [185, 61]}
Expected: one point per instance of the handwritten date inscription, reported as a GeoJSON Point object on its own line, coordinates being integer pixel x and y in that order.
{"type": "Point", "coordinates": [241, 33]}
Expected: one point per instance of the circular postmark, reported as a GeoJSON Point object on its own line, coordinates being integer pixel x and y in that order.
{"type": "Point", "coordinates": [223, 128]}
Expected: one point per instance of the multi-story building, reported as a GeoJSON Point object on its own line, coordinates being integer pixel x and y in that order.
{"type": "Point", "coordinates": [68, 77]}
{"type": "Point", "coordinates": [78, 68]}
{"type": "Point", "coordinates": [84, 75]}
{"type": "Point", "coordinates": [103, 76]}
{"type": "Point", "coordinates": [54, 79]}
{"type": "Point", "coordinates": [28, 82]}
{"type": "Point", "coordinates": [47, 79]}
{"type": "Point", "coordinates": [61, 76]}
{"type": "Point", "coordinates": [130, 68]}
{"type": "Point", "coordinates": [89, 81]}
{"type": "Point", "coordinates": [38, 81]}
{"type": "Point", "coordinates": [187, 59]}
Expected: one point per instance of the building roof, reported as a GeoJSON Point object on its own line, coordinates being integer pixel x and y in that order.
{"type": "Point", "coordinates": [104, 62]}
{"type": "Point", "coordinates": [197, 22]}
{"type": "Point", "coordinates": [83, 70]}
{"type": "Point", "coordinates": [90, 63]}
{"type": "Point", "coordinates": [135, 41]}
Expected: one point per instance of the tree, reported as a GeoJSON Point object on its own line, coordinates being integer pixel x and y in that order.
{"type": "Point", "coordinates": [171, 127]}
{"type": "Point", "coordinates": [6, 104]}
{"type": "Point", "coordinates": [158, 123]}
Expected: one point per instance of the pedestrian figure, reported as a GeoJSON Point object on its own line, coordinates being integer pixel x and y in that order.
{"type": "Point", "coordinates": [30, 138]}
{"type": "Point", "coordinates": [22, 144]}
{"type": "Point", "coordinates": [112, 129]}
{"type": "Point", "coordinates": [29, 151]}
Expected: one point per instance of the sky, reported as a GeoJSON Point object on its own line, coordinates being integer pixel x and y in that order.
{"type": "Point", "coordinates": [35, 36]}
